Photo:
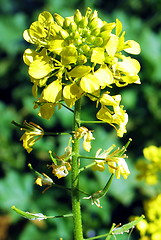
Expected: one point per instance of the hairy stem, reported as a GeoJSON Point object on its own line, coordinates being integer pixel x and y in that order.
{"type": "Point", "coordinates": [76, 209]}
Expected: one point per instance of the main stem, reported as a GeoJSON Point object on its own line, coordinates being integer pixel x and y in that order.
{"type": "Point", "coordinates": [76, 209]}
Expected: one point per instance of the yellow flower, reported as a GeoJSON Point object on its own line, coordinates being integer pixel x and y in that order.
{"type": "Point", "coordinates": [33, 133]}
{"type": "Point", "coordinates": [83, 132]}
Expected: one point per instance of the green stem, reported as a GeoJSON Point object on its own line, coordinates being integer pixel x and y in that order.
{"type": "Point", "coordinates": [56, 133]}
{"type": "Point", "coordinates": [86, 121]}
{"type": "Point", "coordinates": [76, 209]}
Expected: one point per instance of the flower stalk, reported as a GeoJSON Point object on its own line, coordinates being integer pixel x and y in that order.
{"type": "Point", "coordinates": [76, 209]}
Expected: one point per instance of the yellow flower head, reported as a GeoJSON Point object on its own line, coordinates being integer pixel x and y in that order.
{"type": "Point", "coordinates": [33, 133]}
{"type": "Point", "coordinates": [79, 55]}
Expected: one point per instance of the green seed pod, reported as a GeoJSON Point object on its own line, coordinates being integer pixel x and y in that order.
{"type": "Point", "coordinates": [77, 16]}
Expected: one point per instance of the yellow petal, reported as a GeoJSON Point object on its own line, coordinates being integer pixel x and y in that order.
{"type": "Point", "coordinates": [79, 71]}
{"type": "Point", "coordinates": [132, 47]}
{"type": "Point", "coordinates": [71, 93]}
{"type": "Point", "coordinates": [89, 83]}
{"type": "Point", "coordinates": [28, 37]}
{"type": "Point", "coordinates": [118, 27]}
{"type": "Point", "coordinates": [129, 65]}
{"type": "Point", "coordinates": [46, 110]}
{"type": "Point", "coordinates": [98, 55]}
{"type": "Point", "coordinates": [45, 18]}
{"type": "Point", "coordinates": [104, 76]}
{"type": "Point", "coordinates": [53, 92]}
{"type": "Point", "coordinates": [111, 46]}
{"type": "Point", "coordinates": [106, 99]}
{"type": "Point", "coordinates": [56, 45]}
{"type": "Point", "coordinates": [29, 56]}
{"type": "Point", "coordinates": [39, 69]}
{"type": "Point", "coordinates": [69, 55]}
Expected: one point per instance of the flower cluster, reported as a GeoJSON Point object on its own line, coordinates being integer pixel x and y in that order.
{"type": "Point", "coordinates": [151, 167]}
{"type": "Point", "coordinates": [80, 56]}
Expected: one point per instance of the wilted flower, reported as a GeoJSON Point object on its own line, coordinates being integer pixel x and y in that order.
{"type": "Point", "coordinates": [115, 161]}
{"type": "Point", "coordinates": [61, 165]}
{"type": "Point", "coordinates": [44, 179]}
{"type": "Point", "coordinates": [83, 132]}
{"type": "Point", "coordinates": [33, 133]}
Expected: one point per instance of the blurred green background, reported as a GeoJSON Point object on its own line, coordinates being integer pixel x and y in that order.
{"type": "Point", "coordinates": [142, 22]}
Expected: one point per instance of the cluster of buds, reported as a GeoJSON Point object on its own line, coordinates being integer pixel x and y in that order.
{"type": "Point", "coordinates": [80, 56]}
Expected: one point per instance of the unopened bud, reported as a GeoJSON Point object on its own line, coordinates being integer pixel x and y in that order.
{"type": "Point", "coordinates": [77, 16]}
{"type": "Point", "coordinates": [98, 41]}
{"type": "Point", "coordinates": [59, 19]}
{"type": "Point", "coordinates": [64, 34]}
{"type": "Point", "coordinates": [73, 26]}
{"type": "Point", "coordinates": [81, 59]}
{"type": "Point", "coordinates": [67, 22]}
{"type": "Point", "coordinates": [84, 22]}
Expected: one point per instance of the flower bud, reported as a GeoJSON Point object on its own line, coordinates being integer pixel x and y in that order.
{"type": "Point", "coordinates": [81, 59]}
{"type": "Point", "coordinates": [108, 26]}
{"type": "Point", "coordinates": [95, 32]}
{"type": "Point", "coordinates": [85, 48]}
{"type": "Point", "coordinates": [67, 22]}
{"type": "Point", "coordinates": [98, 41]}
{"type": "Point", "coordinates": [77, 16]}
{"type": "Point", "coordinates": [84, 22]}
{"type": "Point", "coordinates": [59, 19]}
{"type": "Point", "coordinates": [64, 34]}
{"type": "Point", "coordinates": [73, 26]}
